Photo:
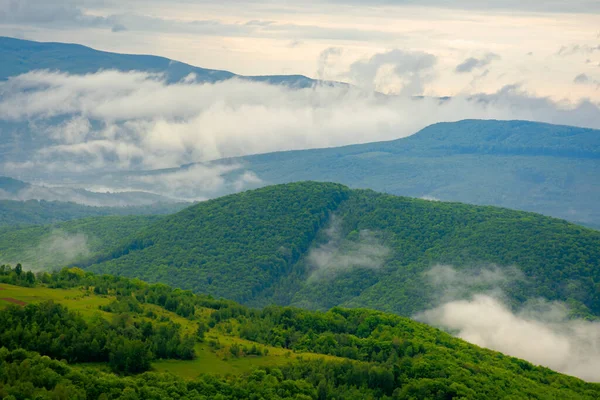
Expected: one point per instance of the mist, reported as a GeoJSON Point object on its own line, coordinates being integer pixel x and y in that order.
{"type": "Point", "coordinates": [539, 331]}
{"type": "Point", "coordinates": [338, 254]}
{"type": "Point", "coordinates": [116, 121]}
{"type": "Point", "coordinates": [58, 248]}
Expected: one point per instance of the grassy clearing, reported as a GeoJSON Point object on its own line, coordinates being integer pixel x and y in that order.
{"type": "Point", "coordinates": [75, 299]}
{"type": "Point", "coordinates": [211, 359]}
{"type": "Point", "coordinates": [222, 362]}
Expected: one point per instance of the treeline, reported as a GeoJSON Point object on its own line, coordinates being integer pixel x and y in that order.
{"type": "Point", "coordinates": [26, 375]}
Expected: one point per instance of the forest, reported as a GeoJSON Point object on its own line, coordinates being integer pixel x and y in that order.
{"type": "Point", "coordinates": [50, 352]}
{"type": "Point", "coordinates": [258, 248]}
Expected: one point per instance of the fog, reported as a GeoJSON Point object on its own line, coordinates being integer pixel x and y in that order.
{"type": "Point", "coordinates": [114, 121]}
{"type": "Point", "coordinates": [338, 254]}
{"type": "Point", "coordinates": [539, 331]}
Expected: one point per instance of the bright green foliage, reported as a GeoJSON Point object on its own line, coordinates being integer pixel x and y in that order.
{"type": "Point", "coordinates": [52, 330]}
{"type": "Point", "coordinates": [253, 247]}
{"type": "Point", "coordinates": [380, 356]}
{"type": "Point", "coordinates": [559, 260]}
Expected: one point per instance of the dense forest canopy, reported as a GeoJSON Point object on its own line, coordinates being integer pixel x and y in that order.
{"type": "Point", "coordinates": [320, 245]}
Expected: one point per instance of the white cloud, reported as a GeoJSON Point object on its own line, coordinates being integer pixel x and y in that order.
{"type": "Point", "coordinates": [118, 121]}
{"type": "Point", "coordinates": [543, 336]}
{"type": "Point", "coordinates": [539, 331]}
{"type": "Point", "coordinates": [197, 182]}
{"type": "Point", "coordinates": [473, 63]}
{"type": "Point", "coordinates": [339, 254]}
{"type": "Point", "coordinates": [412, 68]}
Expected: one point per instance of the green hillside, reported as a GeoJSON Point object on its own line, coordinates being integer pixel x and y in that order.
{"type": "Point", "coordinates": [235, 247]}
{"type": "Point", "coordinates": [320, 245]}
{"type": "Point", "coordinates": [108, 331]}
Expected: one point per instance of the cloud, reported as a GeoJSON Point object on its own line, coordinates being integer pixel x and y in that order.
{"type": "Point", "coordinates": [540, 331]}
{"type": "Point", "coordinates": [119, 28]}
{"type": "Point", "coordinates": [472, 63]}
{"type": "Point", "coordinates": [42, 12]}
{"type": "Point", "coordinates": [584, 79]}
{"type": "Point", "coordinates": [198, 182]}
{"type": "Point", "coordinates": [55, 249]}
{"type": "Point", "coordinates": [67, 14]}
{"type": "Point", "coordinates": [324, 60]}
{"type": "Point", "coordinates": [114, 121]}
{"type": "Point", "coordinates": [574, 6]}
{"type": "Point", "coordinates": [340, 254]}
{"type": "Point", "coordinates": [412, 68]}
{"type": "Point", "coordinates": [543, 335]}
{"type": "Point", "coordinates": [577, 49]}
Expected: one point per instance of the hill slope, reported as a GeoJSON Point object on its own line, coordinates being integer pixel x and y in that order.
{"type": "Point", "coordinates": [235, 247]}
{"type": "Point", "coordinates": [319, 245]}
{"type": "Point", "coordinates": [338, 354]}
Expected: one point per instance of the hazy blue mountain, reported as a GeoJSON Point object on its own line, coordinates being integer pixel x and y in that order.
{"type": "Point", "coordinates": [13, 189]}
{"type": "Point", "coordinates": [522, 165]}
{"type": "Point", "coordinates": [22, 56]}
{"type": "Point", "coordinates": [33, 212]}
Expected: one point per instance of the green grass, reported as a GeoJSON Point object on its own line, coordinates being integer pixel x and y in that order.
{"type": "Point", "coordinates": [209, 360]}
{"type": "Point", "coordinates": [75, 299]}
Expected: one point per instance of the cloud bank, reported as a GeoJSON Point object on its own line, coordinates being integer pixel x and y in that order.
{"type": "Point", "coordinates": [115, 121]}
{"type": "Point", "coordinates": [540, 331]}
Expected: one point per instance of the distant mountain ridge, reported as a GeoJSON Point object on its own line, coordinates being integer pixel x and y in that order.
{"type": "Point", "coordinates": [531, 166]}
{"type": "Point", "coordinates": [13, 189]}
{"type": "Point", "coordinates": [22, 56]}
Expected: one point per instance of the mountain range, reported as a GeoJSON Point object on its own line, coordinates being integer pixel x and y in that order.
{"type": "Point", "coordinates": [531, 166]}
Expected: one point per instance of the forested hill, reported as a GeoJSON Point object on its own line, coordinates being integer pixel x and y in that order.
{"type": "Point", "coordinates": [319, 245]}
{"type": "Point", "coordinates": [196, 347]}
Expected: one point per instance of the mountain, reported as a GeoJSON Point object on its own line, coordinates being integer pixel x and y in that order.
{"type": "Point", "coordinates": [530, 166]}
{"type": "Point", "coordinates": [13, 189]}
{"type": "Point", "coordinates": [320, 245]}
{"type": "Point", "coordinates": [104, 327]}
{"type": "Point", "coordinates": [34, 212]}
{"type": "Point", "coordinates": [22, 56]}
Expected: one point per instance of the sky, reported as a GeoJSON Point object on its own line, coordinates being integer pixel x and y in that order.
{"type": "Point", "coordinates": [549, 48]}
{"type": "Point", "coordinates": [497, 59]}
